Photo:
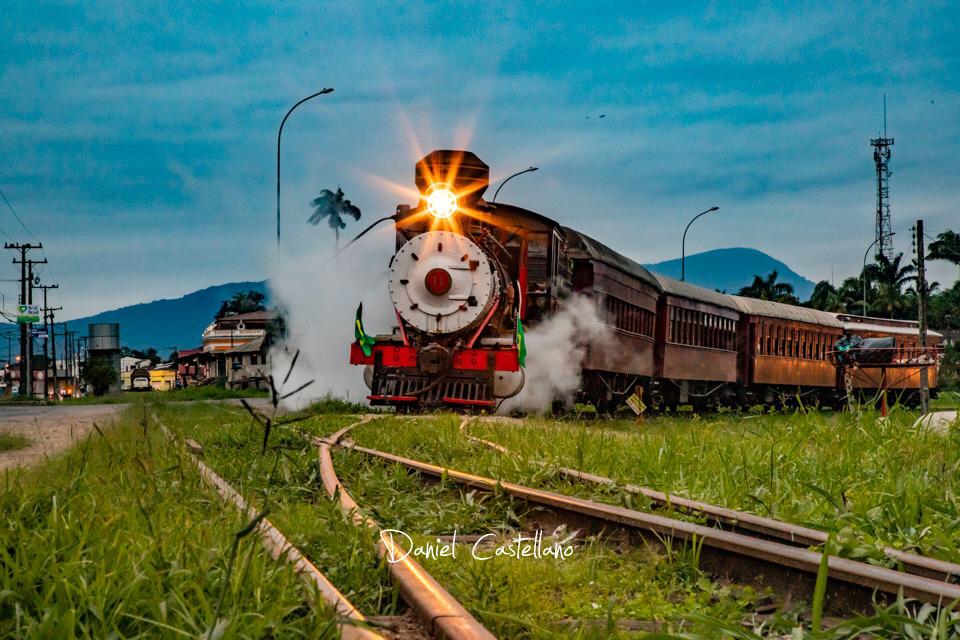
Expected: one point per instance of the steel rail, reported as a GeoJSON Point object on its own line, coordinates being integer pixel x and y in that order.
{"type": "Point", "coordinates": [741, 521]}
{"type": "Point", "coordinates": [442, 614]}
{"type": "Point", "coordinates": [851, 584]}
{"type": "Point", "coordinates": [280, 548]}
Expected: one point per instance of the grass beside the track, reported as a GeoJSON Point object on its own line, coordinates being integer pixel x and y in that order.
{"type": "Point", "coordinates": [872, 482]}
{"type": "Point", "coordinates": [119, 537]}
{"type": "Point", "coordinates": [12, 441]}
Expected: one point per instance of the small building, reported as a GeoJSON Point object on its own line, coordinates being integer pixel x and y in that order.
{"type": "Point", "coordinates": [163, 378]}
{"type": "Point", "coordinates": [247, 366]}
{"type": "Point", "coordinates": [192, 367]}
{"type": "Point", "coordinates": [241, 339]}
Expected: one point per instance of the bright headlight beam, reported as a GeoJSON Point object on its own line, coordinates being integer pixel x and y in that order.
{"type": "Point", "coordinates": [441, 201]}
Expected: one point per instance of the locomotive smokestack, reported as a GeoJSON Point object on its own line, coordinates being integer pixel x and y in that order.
{"type": "Point", "coordinates": [463, 170]}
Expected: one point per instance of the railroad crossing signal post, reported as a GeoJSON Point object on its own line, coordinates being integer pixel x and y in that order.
{"type": "Point", "coordinates": [922, 306]}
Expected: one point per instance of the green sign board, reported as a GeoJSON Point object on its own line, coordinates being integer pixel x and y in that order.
{"type": "Point", "coordinates": [28, 313]}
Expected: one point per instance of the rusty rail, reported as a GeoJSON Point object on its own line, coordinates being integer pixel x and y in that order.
{"type": "Point", "coordinates": [743, 522]}
{"type": "Point", "coordinates": [443, 616]}
{"type": "Point", "coordinates": [851, 584]}
{"type": "Point", "coordinates": [280, 548]}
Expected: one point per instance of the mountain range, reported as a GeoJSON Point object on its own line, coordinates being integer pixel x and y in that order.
{"type": "Point", "coordinates": [168, 324]}
{"type": "Point", "coordinates": [729, 270]}
{"type": "Point", "coordinates": [179, 322]}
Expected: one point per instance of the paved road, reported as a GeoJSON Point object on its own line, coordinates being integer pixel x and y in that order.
{"type": "Point", "coordinates": [50, 428]}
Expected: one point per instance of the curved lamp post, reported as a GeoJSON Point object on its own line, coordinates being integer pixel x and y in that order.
{"type": "Point", "coordinates": [279, 134]}
{"type": "Point", "coordinates": [863, 274]}
{"type": "Point", "coordinates": [683, 244]}
{"type": "Point", "coordinates": [518, 173]}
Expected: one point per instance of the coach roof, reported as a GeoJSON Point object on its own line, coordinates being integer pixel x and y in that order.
{"type": "Point", "coordinates": [587, 246]}
{"type": "Point", "coordinates": [754, 307]}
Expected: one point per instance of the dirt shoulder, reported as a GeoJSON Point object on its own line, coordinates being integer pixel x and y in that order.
{"type": "Point", "coordinates": [50, 429]}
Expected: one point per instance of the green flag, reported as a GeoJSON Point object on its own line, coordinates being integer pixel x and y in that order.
{"type": "Point", "coordinates": [521, 344]}
{"type": "Point", "coordinates": [365, 341]}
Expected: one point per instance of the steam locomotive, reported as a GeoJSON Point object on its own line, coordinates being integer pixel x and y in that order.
{"type": "Point", "coordinates": [469, 277]}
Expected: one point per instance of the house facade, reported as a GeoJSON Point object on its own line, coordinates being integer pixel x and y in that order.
{"type": "Point", "coordinates": [234, 349]}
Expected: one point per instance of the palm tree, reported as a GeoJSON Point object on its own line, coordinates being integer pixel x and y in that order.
{"type": "Point", "coordinates": [851, 294]}
{"type": "Point", "coordinates": [889, 279]}
{"type": "Point", "coordinates": [335, 208]}
{"type": "Point", "coordinates": [826, 297]}
{"type": "Point", "coordinates": [946, 247]}
{"type": "Point", "coordinates": [769, 289]}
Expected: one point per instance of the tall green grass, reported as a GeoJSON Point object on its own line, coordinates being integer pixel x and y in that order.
{"type": "Point", "coordinates": [12, 441]}
{"type": "Point", "coordinates": [120, 538]}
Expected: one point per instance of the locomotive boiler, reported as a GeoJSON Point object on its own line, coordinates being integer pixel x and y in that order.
{"type": "Point", "coordinates": [469, 276]}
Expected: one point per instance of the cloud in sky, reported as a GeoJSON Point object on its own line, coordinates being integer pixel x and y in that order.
{"type": "Point", "coordinates": [139, 144]}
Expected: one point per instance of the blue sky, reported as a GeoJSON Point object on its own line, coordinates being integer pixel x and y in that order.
{"type": "Point", "coordinates": [138, 140]}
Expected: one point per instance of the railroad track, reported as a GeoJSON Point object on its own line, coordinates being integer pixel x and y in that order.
{"type": "Point", "coordinates": [439, 615]}
{"type": "Point", "coordinates": [442, 615]}
{"type": "Point", "coordinates": [350, 620]}
{"type": "Point", "coordinates": [741, 521]}
{"type": "Point", "coordinates": [790, 571]}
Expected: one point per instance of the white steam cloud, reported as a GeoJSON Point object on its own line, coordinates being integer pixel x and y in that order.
{"type": "Point", "coordinates": [556, 349]}
{"type": "Point", "coordinates": [318, 294]}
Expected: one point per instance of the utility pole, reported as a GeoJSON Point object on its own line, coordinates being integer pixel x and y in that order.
{"type": "Point", "coordinates": [26, 295]}
{"type": "Point", "coordinates": [48, 319]}
{"type": "Point", "coordinates": [922, 306]}
{"type": "Point", "coordinates": [53, 354]}
{"type": "Point", "coordinates": [68, 353]}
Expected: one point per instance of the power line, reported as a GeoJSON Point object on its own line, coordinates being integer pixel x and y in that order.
{"type": "Point", "coordinates": [10, 206]}
{"type": "Point", "coordinates": [25, 228]}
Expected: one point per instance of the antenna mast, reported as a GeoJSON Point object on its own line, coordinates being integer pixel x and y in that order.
{"type": "Point", "coordinates": [881, 159]}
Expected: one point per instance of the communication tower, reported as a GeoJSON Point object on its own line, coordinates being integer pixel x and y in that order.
{"type": "Point", "coordinates": [881, 159]}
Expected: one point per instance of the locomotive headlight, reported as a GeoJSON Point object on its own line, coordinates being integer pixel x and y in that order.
{"type": "Point", "coordinates": [441, 201]}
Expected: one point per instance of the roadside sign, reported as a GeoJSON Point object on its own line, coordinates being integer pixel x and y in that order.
{"type": "Point", "coordinates": [39, 333]}
{"type": "Point", "coordinates": [28, 313]}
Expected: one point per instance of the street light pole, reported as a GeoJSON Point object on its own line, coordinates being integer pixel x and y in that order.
{"type": "Point", "coordinates": [279, 134]}
{"type": "Point", "coordinates": [683, 244]}
{"type": "Point", "coordinates": [518, 173]}
{"type": "Point", "coordinates": [863, 274]}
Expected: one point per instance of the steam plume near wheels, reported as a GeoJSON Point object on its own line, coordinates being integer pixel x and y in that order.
{"type": "Point", "coordinates": [556, 349]}
{"type": "Point", "coordinates": [318, 294]}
